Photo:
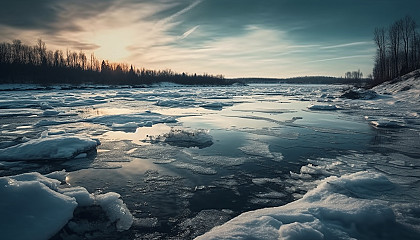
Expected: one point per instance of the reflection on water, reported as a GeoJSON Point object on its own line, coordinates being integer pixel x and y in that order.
{"type": "Point", "coordinates": [103, 111]}
{"type": "Point", "coordinates": [141, 136]}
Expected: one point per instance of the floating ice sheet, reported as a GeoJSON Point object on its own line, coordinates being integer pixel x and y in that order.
{"type": "Point", "coordinates": [185, 138]}
{"type": "Point", "coordinates": [328, 107]}
{"type": "Point", "coordinates": [49, 148]}
{"type": "Point", "coordinates": [141, 119]}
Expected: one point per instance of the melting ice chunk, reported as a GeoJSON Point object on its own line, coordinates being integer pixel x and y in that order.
{"type": "Point", "coordinates": [49, 148]}
{"type": "Point", "coordinates": [385, 123]}
{"type": "Point", "coordinates": [185, 138]}
{"type": "Point", "coordinates": [328, 107]}
{"type": "Point", "coordinates": [36, 207]}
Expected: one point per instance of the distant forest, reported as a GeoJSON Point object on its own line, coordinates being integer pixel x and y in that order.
{"type": "Point", "coordinates": [352, 79]}
{"type": "Point", "coordinates": [398, 50]}
{"type": "Point", "coordinates": [20, 63]}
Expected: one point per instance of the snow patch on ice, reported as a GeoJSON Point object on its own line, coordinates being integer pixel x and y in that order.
{"type": "Point", "coordinates": [259, 149]}
{"type": "Point", "coordinates": [220, 160]}
{"type": "Point", "coordinates": [195, 168]}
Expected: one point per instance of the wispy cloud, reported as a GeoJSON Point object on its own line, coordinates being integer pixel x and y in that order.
{"type": "Point", "coordinates": [352, 44]}
{"type": "Point", "coordinates": [340, 58]}
{"type": "Point", "coordinates": [173, 17]}
{"type": "Point", "coordinates": [187, 33]}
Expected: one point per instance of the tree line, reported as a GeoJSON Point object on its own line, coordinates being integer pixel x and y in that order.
{"type": "Point", "coordinates": [356, 75]}
{"type": "Point", "coordinates": [398, 50]}
{"type": "Point", "coordinates": [21, 63]}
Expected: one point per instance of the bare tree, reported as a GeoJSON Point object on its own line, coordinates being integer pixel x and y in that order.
{"type": "Point", "coordinates": [347, 75]}
{"type": "Point", "coordinates": [408, 28]}
{"type": "Point", "coordinates": [380, 66]}
{"type": "Point", "coordinates": [41, 48]}
{"type": "Point", "coordinates": [83, 60]}
{"type": "Point", "coordinates": [17, 51]}
{"type": "Point", "coordinates": [398, 50]}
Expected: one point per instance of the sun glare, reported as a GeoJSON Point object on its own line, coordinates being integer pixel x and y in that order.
{"type": "Point", "coordinates": [113, 44]}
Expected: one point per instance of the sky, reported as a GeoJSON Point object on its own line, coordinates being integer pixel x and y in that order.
{"type": "Point", "coordinates": [235, 38]}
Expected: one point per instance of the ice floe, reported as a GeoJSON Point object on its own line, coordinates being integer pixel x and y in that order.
{"type": "Point", "coordinates": [36, 207]}
{"type": "Point", "coordinates": [307, 171]}
{"type": "Point", "coordinates": [19, 112]}
{"type": "Point", "coordinates": [338, 208]}
{"type": "Point", "coordinates": [258, 149]}
{"type": "Point", "coordinates": [50, 113]}
{"type": "Point", "coordinates": [129, 125]}
{"type": "Point", "coordinates": [115, 209]}
{"type": "Point", "coordinates": [30, 209]}
{"type": "Point", "coordinates": [216, 105]}
{"type": "Point", "coordinates": [55, 147]}
{"type": "Point", "coordinates": [195, 168]}
{"type": "Point", "coordinates": [359, 94]}
{"type": "Point", "coordinates": [220, 160]}
{"type": "Point", "coordinates": [386, 123]}
{"type": "Point", "coordinates": [328, 107]}
{"type": "Point", "coordinates": [146, 118]}
{"type": "Point", "coordinates": [185, 138]}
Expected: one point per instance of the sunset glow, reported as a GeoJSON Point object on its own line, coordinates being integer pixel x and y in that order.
{"type": "Point", "coordinates": [233, 38]}
{"type": "Point", "coordinates": [113, 44]}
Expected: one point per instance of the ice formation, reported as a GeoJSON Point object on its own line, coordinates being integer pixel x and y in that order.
{"type": "Point", "coordinates": [215, 105]}
{"type": "Point", "coordinates": [387, 123]}
{"type": "Point", "coordinates": [146, 118]}
{"type": "Point", "coordinates": [35, 207]}
{"type": "Point", "coordinates": [359, 94]}
{"type": "Point", "coordinates": [185, 138]}
{"type": "Point", "coordinates": [328, 107]}
{"type": "Point", "coordinates": [49, 148]}
{"type": "Point", "coordinates": [129, 125]}
{"type": "Point", "coordinates": [338, 208]}
{"type": "Point", "coordinates": [258, 149]}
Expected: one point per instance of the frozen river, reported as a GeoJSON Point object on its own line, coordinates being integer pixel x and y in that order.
{"type": "Point", "coordinates": [186, 159]}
